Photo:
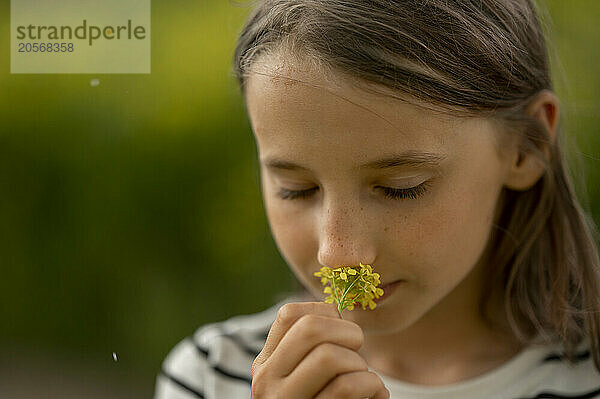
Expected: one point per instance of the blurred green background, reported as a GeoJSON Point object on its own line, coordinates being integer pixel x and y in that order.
{"type": "Point", "coordinates": [131, 211]}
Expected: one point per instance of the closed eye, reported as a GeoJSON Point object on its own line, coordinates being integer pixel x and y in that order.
{"type": "Point", "coordinates": [389, 192]}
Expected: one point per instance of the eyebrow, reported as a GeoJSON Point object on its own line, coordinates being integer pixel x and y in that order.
{"type": "Point", "coordinates": [407, 159]}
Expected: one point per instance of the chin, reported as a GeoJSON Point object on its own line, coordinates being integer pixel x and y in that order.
{"type": "Point", "coordinates": [384, 319]}
{"type": "Point", "coordinates": [379, 327]}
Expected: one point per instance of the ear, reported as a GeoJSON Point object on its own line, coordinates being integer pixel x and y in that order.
{"type": "Point", "coordinates": [524, 169]}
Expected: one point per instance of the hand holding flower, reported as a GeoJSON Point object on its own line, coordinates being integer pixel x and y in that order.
{"type": "Point", "coordinates": [312, 353]}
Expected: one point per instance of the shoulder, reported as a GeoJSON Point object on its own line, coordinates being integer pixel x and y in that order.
{"type": "Point", "coordinates": [216, 360]}
{"type": "Point", "coordinates": [557, 377]}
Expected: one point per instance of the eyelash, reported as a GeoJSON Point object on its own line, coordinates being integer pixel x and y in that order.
{"type": "Point", "coordinates": [391, 193]}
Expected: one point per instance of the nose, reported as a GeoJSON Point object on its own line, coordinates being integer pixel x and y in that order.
{"type": "Point", "coordinates": [344, 238]}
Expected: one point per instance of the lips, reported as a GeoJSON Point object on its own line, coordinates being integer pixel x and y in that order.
{"type": "Point", "coordinates": [388, 289]}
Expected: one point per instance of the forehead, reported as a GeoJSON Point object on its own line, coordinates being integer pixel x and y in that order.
{"type": "Point", "coordinates": [298, 106]}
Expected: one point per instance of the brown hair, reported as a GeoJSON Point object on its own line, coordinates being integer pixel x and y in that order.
{"type": "Point", "coordinates": [479, 58]}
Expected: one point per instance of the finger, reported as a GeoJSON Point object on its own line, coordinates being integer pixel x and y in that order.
{"type": "Point", "coordinates": [356, 385]}
{"type": "Point", "coordinates": [320, 366]}
{"type": "Point", "coordinates": [309, 332]}
{"type": "Point", "coordinates": [286, 317]}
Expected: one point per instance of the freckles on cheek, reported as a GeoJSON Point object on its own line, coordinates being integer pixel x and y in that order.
{"type": "Point", "coordinates": [454, 234]}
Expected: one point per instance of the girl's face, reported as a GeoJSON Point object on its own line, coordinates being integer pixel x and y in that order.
{"type": "Point", "coordinates": [351, 177]}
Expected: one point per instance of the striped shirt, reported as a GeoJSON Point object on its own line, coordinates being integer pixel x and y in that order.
{"type": "Point", "coordinates": [215, 363]}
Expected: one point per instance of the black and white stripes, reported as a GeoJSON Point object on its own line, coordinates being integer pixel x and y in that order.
{"type": "Point", "coordinates": [560, 357]}
{"type": "Point", "coordinates": [594, 393]}
{"type": "Point", "coordinates": [216, 361]}
{"type": "Point", "coordinates": [193, 392]}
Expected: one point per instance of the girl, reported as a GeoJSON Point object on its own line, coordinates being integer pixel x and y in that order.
{"type": "Point", "coordinates": [421, 137]}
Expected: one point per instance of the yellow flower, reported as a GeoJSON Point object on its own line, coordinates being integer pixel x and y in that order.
{"type": "Point", "coordinates": [350, 285]}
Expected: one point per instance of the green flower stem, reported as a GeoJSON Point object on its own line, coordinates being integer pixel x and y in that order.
{"type": "Point", "coordinates": [343, 303]}
{"type": "Point", "coordinates": [349, 288]}
{"type": "Point", "coordinates": [337, 297]}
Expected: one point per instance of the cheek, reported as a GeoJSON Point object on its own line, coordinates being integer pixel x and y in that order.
{"type": "Point", "coordinates": [444, 240]}
{"type": "Point", "coordinates": [292, 232]}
